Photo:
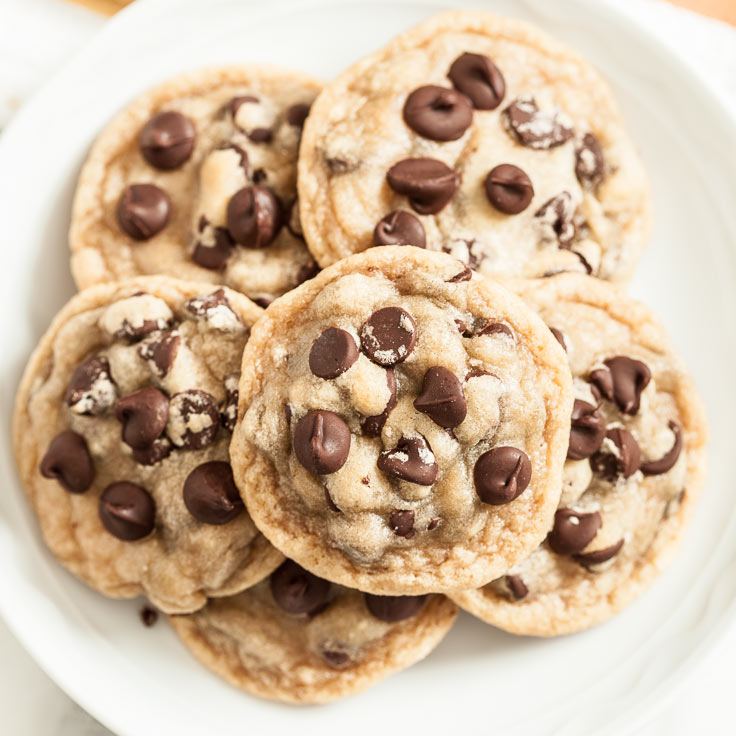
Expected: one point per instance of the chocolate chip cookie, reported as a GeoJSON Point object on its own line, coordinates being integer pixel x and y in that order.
{"type": "Point", "coordinates": [197, 179]}
{"type": "Point", "coordinates": [121, 430]}
{"type": "Point", "coordinates": [403, 424]}
{"type": "Point", "coordinates": [482, 137]}
{"type": "Point", "coordinates": [634, 469]}
{"type": "Point", "coordinates": [298, 638]}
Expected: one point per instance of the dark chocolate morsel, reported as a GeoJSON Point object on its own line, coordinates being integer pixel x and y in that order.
{"type": "Point", "coordinates": [599, 556]}
{"type": "Point", "coordinates": [388, 336]}
{"type": "Point", "coordinates": [154, 453]}
{"type": "Point", "coordinates": [254, 216]}
{"type": "Point", "coordinates": [332, 353]}
{"type": "Point", "coordinates": [465, 275]}
{"type": "Point", "coordinates": [402, 523]}
{"type": "Point", "coordinates": [372, 426]}
{"type": "Point", "coordinates": [668, 460]}
{"type": "Point", "coordinates": [400, 228]}
{"type": "Point", "coordinates": [501, 475]}
{"type": "Point", "coordinates": [161, 351]}
{"type": "Point", "coordinates": [143, 415]}
{"type": "Point", "coordinates": [535, 128]}
{"type": "Point", "coordinates": [143, 211]}
{"type": "Point", "coordinates": [297, 114]}
{"type": "Point", "coordinates": [624, 462]}
{"type": "Point", "coordinates": [297, 591]}
{"type": "Point", "coordinates": [442, 397]}
{"type": "Point", "coordinates": [557, 218]}
{"type": "Point", "coordinates": [509, 189]}
{"type": "Point", "coordinates": [438, 113]}
{"type": "Point", "coordinates": [517, 587]}
{"type": "Point", "coordinates": [628, 378]}
{"type": "Point", "coordinates": [260, 135]}
{"type": "Point", "coordinates": [587, 430]}
{"type": "Point", "coordinates": [590, 165]}
{"type": "Point", "coordinates": [337, 658]}
{"type": "Point", "coordinates": [393, 608]}
{"type": "Point", "coordinates": [167, 140]}
{"type": "Point", "coordinates": [495, 328]}
{"type": "Point", "coordinates": [194, 419]}
{"type": "Point", "coordinates": [477, 77]}
{"type": "Point", "coordinates": [68, 460]}
{"type": "Point", "coordinates": [428, 183]}
{"type": "Point", "coordinates": [91, 389]}
{"type": "Point", "coordinates": [321, 442]}
{"type": "Point", "coordinates": [127, 511]}
{"type": "Point", "coordinates": [412, 460]}
{"type": "Point", "coordinates": [214, 257]}
{"type": "Point", "coordinates": [210, 494]}
{"type": "Point", "coordinates": [573, 531]}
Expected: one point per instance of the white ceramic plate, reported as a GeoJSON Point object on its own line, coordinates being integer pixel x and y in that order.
{"type": "Point", "coordinates": [141, 681]}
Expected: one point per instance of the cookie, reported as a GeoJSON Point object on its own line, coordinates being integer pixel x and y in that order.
{"type": "Point", "coordinates": [403, 425]}
{"type": "Point", "coordinates": [299, 639]}
{"type": "Point", "coordinates": [197, 180]}
{"type": "Point", "coordinates": [634, 469]}
{"type": "Point", "coordinates": [482, 137]}
{"type": "Point", "coordinates": [121, 431]}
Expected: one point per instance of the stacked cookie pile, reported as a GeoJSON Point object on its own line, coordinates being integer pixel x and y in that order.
{"type": "Point", "coordinates": [310, 470]}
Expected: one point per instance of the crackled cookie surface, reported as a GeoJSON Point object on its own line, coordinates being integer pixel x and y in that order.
{"type": "Point", "coordinates": [121, 432]}
{"type": "Point", "coordinates": [482, 137]}
{"type": "Point", "coordinates": [403, 424]}
{"type": "Point", "coordinates": [634, 467]}
{"type": "Point", "coordinates": [197, 179]}
{"type": "Point", "coordinates": [297, 638]}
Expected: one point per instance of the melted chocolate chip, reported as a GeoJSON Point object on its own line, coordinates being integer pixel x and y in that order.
{"type": "Point", "coordinates": [559, 337]}
{"type": "Point", "coordinates": [167, 140]}
{"type": "Point", "coordinates": [509, 189]}
{"type": "Point", "coordinates": [332, 353]}
{"type": "Point", "coordinates": [477, 77]}
{"type": "Point", "coordinates": [235, 104]}
{"type": "Point", "coordinates": [599, 556]}
{"type": "Point", "coordinates": [91, 389]}
{"type": "Point", "coordinates": [402, 523]}
{"type": "Point", "coordinates": [337, 658]}
{"type": "Point", "coordinates": [668, 460]}
{"type": "Point", "coordinates": [321, 442]}
{"type": "Point", "coordinates": [442, 397]}
{"type": "Point", "coordinates": [143, 211]}
{"type": "Point", "coordinates": [297, 114]}
{"type": "Point", "coordinates": [556, 218]}
{"type": "Point", "coordinates": [260, 135]}
{"type": "Point", "coordinates": [501, 475]}
{"type": "Point", "coordinates": [161, 352]}
{"type": "Point", "coordinates": [623, 382]}
{"type": "Point", "coordinates": [372, 426]}
{"type": "Point", "coordinates": [210, 494]}
{"type": "Point", "coordinates": [534, 128]}
{"type": "Point", "coordinates": [214, 257]}
{"type": "Point", "coordinates": [127, 511]}
{"type": "Point", "coordinates": [433, 524]}
{"type": "Point", "coordinates": [428, 183]}
{"type": "Point", "coordinates": [587, 430]}
{"type": "Point", "coordinates": [400, 228]}
{"type": "Point", "coordinates": [573, 531]}
{"type": "Point", "coordinates": [143, 415]}
{"type": "Point", "coordinates": [154, 453]}
{"type": "Point", "coordinates": [68, 460]}
{"type": "Point", "coordinates": [297, 591]}
{"type": "Point", "coordinates": [388, 336]}
{"type": "Point", "coordinates": [590, 165]}
{"type": "Point", "coordinates": [254, 216]}
{"type": "Point", "coordinates": [438, 113]}
{"type": "Point", "coordinates": [517, 587]}
{"type": "Point", "coordinates": [393, 608]}
{"type": "Point", "coordinates": [215, 308]}
{"type": "Point", "coordinates": [626, 459]}
{"type": "Point", "coordinates": [412, 459]}
{"type": "Point", "coordinates": [194, 419]}
{"type": "Point", "coordinates": [495, 328]}
{"type": "Point", "coordinates": [465, 275]}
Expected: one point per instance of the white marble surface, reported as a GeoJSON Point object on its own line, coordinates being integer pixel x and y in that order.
{"type": "Point", "coordinates": [35, 37]}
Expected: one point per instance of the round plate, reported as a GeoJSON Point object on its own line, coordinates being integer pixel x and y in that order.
{"type": "Point", "coordinates": [141, 681]}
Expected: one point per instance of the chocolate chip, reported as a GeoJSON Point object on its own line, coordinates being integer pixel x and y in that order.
{"type": "Point", "coordinates": [306, 271]}
{"type": "Point", "coordinates": [433, 524]}
{"type": "Point", "coordinates": [509, 189]}
{"type": "Point", "coordinates": [229, 409]}
{"type": "Point", "coordinates": [143, 414]}
{"type": "Point", "coordinates": [91, 389]}
{"type": "Point", "coordinates": [337, 658]}
{"type": "Point", "coordinates": [259, 176]}
{"type": "Point", "coordinates": [400, 228]}
{"type": "Point", "coordinates": [260, 135]}
{"type": "Point", "coordinates": [428, 183]}
{"type": "Point", "coordinates": [292, 219]}
{"type": "Point", "coordinates": [501, 474]}
{"type": "Point", "coordinates": [216, 309]}
{"type": "Point", "coordinates": [388, 336]}
{"type": "Point", "coordinates": [438, 113]}
{"type": "Point", "coordinates": [297, 591]}
{"type": "Point", "coordinates": [622, 382]}
{"type": "Point", "coordinates": [412, 459]}
{"type": "Point", "coordinates": [534, 128]}
{"type": "Point", "coordinates": [668, 460]}
{"type": "Point", "coordinates": [393, 608]}
{"type": "Point", "coordinates": [167, 140]}
{"type": "Point", "coordinates": [590, 165]}
{"type": "Point", "coordinates": [402, 523]}
{"type": "Point", "coordinates": [235, 104]}
{"type": "Point", "coordinates": [143, 211]}
{"type": "Point", "coordinates": [517, 587]}
{"type": "Point", "coordinates": [587, 430]}
{"type": "Point", "coordinates": [287, 414]}
{"type": "Point", "coordinates": [373, 426]}
{"type": "Point", "coordinates": [331, 505]}
{"type": "Point", "coordinates": [556, 217]}
{"type": "Point", "coordinates": [559, 337]}
{"type": "Point", "coordinates": [68, 460]}
{"type": "Point", "coordinates": [127, 511]}
{"type": "Point", "coordinates": [297, 114]}
{"type": "Point", "coordinates": [573, 531]}
{"type": "Point", "coordinates": [138, 332]}
{"type": "Point", "coordinates": [214, 257]}
{"type": "Point", "coordinates": [161, 351]}
{"type": "Point", "coordinates": [210, 494]}
{"type": "Point", "coordinates": [193, 419]}
{"type": "Point", "coordinates": [332, 353]}
{"type": "Point", "coordinates": [465, 275]}
{"type": "Point", "coordinates": [154, 453]}
{"type": "Point", "coordinates": [321, 442]}
{"type": "Point", "coordinates": [625, 460]}
{"type": "Point", "coordinates": [149, 616]}
{"type": "Point", "coordinates": [254, 216]}
{"type": "Point", "coordinates": [442, 398]}
{"type": "Point", "coordinates": [495, 328]}
{"type": "Point", "coordinates": [477, 77]}
{"type": "Point", "coordinates": [599, 556]}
